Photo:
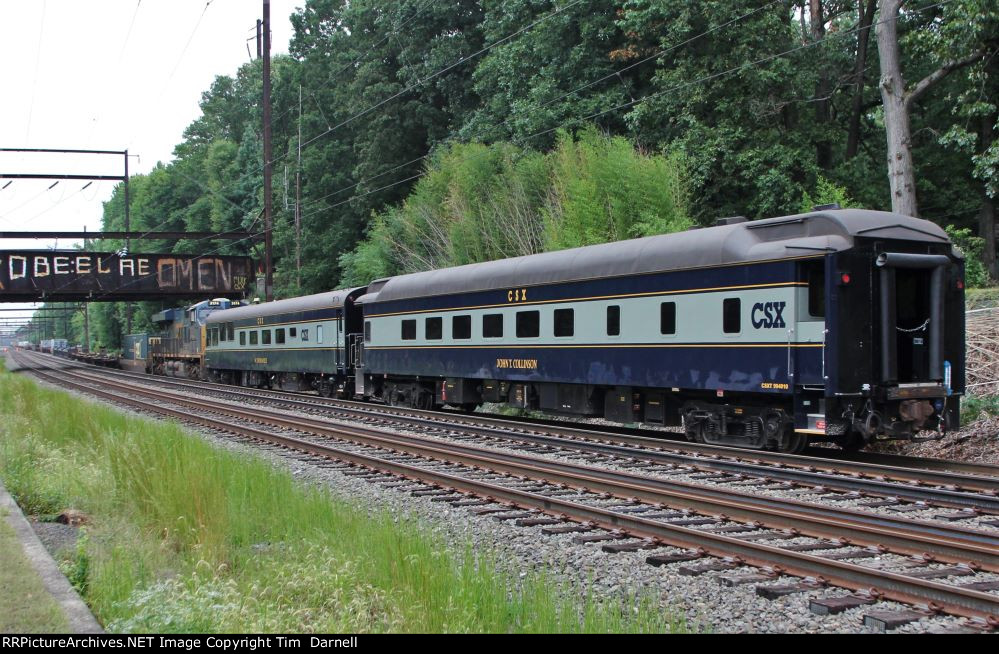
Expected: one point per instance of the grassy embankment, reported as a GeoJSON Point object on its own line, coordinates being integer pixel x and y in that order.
{"type": "Point", "coordinates": [187, 537]}
{"type": "Point", "coordinates": [25, 606]}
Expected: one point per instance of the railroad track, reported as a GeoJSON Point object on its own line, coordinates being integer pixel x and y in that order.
{"type": "Point", "coordinates": [859, 463]}
{"type": "Point", "coordinates": [737, 528]}
{"type": "Point", "coordinates": [906, 488]}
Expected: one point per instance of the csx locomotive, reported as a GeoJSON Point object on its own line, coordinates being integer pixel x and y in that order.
{"type": "Point", "coordinates": [840, 325]}
{"type": "Point", "coordinates": [178, 349]}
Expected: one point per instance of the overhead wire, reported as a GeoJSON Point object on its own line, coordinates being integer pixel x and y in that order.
{"type": "Point", "coordinates": [659, 53]}
{"type": "Point", "coordinates": [649, 96]}
{"type": "Point", "coordinates": [461, 60]}
{"type": "Point", "coordinates": [385, 100]}
{"type": "Point", "coordinates": [438, 73]}
{"type": "Point", "coordinates": [221, 195]}
{"type": "Point", "coordinates": [756, 63]}
{"type": "Point", "coordinates": [180, 58]}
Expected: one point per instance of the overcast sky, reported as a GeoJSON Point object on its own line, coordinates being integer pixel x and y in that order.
{"type": "Point", "coordinates": [108, 75]}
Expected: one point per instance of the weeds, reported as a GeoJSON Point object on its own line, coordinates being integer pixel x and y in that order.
{"type": "Point", "coordinates": [186, 537]}
{"type": "Point", "coordinates": [974, 407]}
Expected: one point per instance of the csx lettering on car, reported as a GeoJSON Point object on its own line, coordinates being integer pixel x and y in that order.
{"type": "Point", "coordinates": [768, 315]}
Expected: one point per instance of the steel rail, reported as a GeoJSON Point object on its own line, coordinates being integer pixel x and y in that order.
{"type": "Point", "coordinates": [654, 452]}
{"type": "Point", "coordinates": [879, 583]}
{"type": "Point", "coordinates": [976, 476]}
{"type": "Point", "coordinates": [958, 544]}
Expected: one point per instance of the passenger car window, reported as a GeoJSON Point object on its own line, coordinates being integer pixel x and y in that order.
{"type": "Point", "coordinates": [613, 320]}
{"type": "Point", "coordinates": [292, 332]}
{"type": "Point", "coordinates": [528, 324]}
{"type": "Point", "coordinates": [667, 318]}
{"type": "Point", "coordinates": [265, 336]}
{"type": "Point", "coordinates": [434, 329]}
{"type": "Point", "coordinates": [492, 325]}
{"type": "Point", "coordinates": [461, 327]}
{"type": "Point", "coordinates": [253, 337]}
{"type": "Point", "coordinates": [367, 331]}
{"type": "Point", "coordinates": [817, 291]}
{"type": "Point", "coordinates": [564, 322]}
{"type": "Point", "coordinates": [242, 338]}
{"type": "Point", "coordinates": [732, 315]}
{"type": "Point", "coordinates": [279, 336]}
{"type": "Point", "coordinates": [409, 330]}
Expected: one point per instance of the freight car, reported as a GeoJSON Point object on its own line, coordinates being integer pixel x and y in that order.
{"type": "Point", "coordinates": [135, 352]}
{"type": "Point", "coordinates": [53, 345]}
{"type": "Point", "coordinates": [842, 325]}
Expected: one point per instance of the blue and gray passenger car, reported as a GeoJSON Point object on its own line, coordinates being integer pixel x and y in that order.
{"type": "Point", "coordinates": [840, 324]}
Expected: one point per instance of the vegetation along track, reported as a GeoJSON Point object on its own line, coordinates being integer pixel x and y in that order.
{"type": "Point", "coordinates": [972, 487]}
{"type": "Point", "coordinates": [737, 526]}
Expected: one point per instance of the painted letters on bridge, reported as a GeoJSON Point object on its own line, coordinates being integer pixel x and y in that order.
{"type": "Point", "coordinates": [74, 275]}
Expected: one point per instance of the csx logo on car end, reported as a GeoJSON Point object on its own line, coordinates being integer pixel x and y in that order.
{"type": "Point", "coordinates": [768, 315]}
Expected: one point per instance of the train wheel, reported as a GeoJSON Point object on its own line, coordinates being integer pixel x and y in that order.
{"type": "Point", "coordinates": [796, 443]}
{"type": "Point", "coordinates": [693, 430]}
{"type": "Point", "coordinates": [781, 432]}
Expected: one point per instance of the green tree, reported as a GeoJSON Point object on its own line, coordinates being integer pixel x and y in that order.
{"type": "Point", "coordinates": [479, 203]}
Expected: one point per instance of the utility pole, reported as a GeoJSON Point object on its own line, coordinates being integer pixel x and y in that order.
{"type": "Point", "coordinates": [298, 199]}
{"type": "Point", "coordinates": [128, 248]}
{"type": "Point", "coordinates": [86, 306]}
{"type": "Point", "coordinates": [268, 207]}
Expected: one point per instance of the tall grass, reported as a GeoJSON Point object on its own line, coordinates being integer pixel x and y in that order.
{"type": "Point", "coordinates": [188, 537]}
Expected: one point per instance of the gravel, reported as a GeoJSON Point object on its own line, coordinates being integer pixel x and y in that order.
{"type": "Point", "coordinates": [702, 600]}
{"type": "Point", "coordinates": [777, 490]}
{"type": "Point", "coordinates": [57, 538]}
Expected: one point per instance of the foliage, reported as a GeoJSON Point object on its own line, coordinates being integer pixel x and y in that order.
{"type": "Point", "coordinates": [186, 537]}
{"type": "Point", "coordinates": [975, 407]}
{"type": "Point", "coordinates": [479, 203]}
{"type": "Point", "coordinates": [754, 100]}
{"type": "Point", "coordinates": [826, 192]}
{"type": "Point", "coordinates": [975, 275]}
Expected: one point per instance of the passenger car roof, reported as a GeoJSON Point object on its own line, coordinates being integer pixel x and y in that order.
{"type": "Point", "coordinates": [327, 300]}
{"type": "Point", "coordinates": [758, 240]}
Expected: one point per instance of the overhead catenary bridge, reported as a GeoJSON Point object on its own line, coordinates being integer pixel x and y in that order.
{"type": "Point", "coordinates": [76, 275]}
{"type": "Point", "coordinates": [192, 236]}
